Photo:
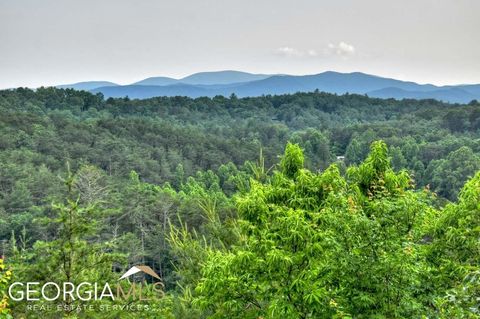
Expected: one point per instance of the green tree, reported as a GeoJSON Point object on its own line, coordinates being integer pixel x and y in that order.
{"type": "Point", "coordinates": [316, 148]}
{"type": "Point", "coordinates": [449, 174]}
{"type": "Point", "coordinates": [72, 255]}
{"type": "Point", "coordinates": [454, 254]}
{"type": "Point", "coordinates": [398, 160]}
{"type": "Point", "coordinates": [317, 245]}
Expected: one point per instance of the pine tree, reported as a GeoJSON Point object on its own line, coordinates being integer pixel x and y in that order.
{"type": "Point", "coordinates": [73, 255]}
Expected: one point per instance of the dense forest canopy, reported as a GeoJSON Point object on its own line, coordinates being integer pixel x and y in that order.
{"type": "Point", "coordinates": [160, 136]}
{"type": "Point", "coordinates": [199, 190]}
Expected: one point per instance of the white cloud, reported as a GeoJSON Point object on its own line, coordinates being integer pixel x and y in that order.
{"type": "Point", "coordinates": [341, 49]}
{"type": "Point", "coordinates": [293, 52]}
{"type": "Point", "coordinates": [288, 51]}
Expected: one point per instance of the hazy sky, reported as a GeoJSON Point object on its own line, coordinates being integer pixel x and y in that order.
{"type": "Point", "coordinates": [46, 42]}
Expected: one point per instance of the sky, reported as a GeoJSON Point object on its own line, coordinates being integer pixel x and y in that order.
{"type": "Point", "coordinates": [52, 42]}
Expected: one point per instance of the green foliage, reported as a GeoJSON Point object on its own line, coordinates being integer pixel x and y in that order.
{"type": "Point", "coordinates": [72, 255]}
{"type": "Point", "coordinates": [5, 279]}
{"type": "Point", "coordinates": [455, 253]}
{"type": "Point", "coordinates": [292, 162]}
{"type": "Point", "coordinates": [314, 245]}
{"type": "Point", "coordinates": [316, 147]}
{"type": "Point", "coordinates": [169, 139]}
{"type": "Point", "coordinates": [191, 188]}
{"type": "Point", "coordinates": [448, 174]}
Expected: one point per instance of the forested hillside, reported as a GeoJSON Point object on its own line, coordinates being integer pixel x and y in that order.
{"type": "Point", "coordinates": [247, 208]}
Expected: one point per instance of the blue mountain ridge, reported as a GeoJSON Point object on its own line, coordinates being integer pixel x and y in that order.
{"type": "Point", "coordinates": [245, 84]}
{"type": "Point", "coordinates": [86, 86]}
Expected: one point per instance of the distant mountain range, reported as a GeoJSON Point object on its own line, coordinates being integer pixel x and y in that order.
{"type": "Point", "coordinates": [86, 86]}
{"type": "Point", "coordinates": [206, 78]}
{"type": "Point", "coordinates": [245, 84]}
